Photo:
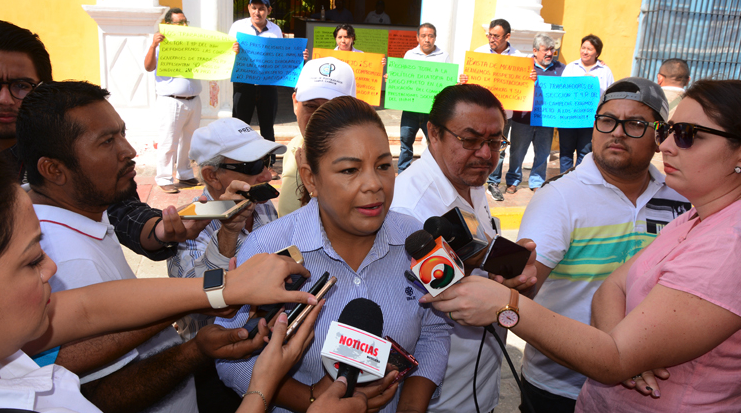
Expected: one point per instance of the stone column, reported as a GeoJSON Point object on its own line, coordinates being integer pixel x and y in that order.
{"type": "Point", "coordinates": [452, 18]}
{"type": "Point", "coordinates": [524, 18]}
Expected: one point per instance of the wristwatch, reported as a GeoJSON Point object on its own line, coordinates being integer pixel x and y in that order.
{"type": "Point", "coordinates": [213, 285]}
{"type": "Point", "coordinates": [509, 315]}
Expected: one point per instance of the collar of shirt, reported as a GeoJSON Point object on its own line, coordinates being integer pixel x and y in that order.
{"type": "Point", "coordinates": [589, 174]}
{"type": "Point", "coordinates": [673, 88]}
{"type": "Point", "coordinates": [418, 50]}
{"type": "Point", "coordinates": [74, 221]}
{"type": "Point", "coordinates": [258, 31]}
{"type": "Point", "coordinates": [448, 193]}
{"type": "Point", "coordinates": [599, 64]}
{"type": "Point", "coordinates": [22, 379]}
{"type": "Point", "coordinates": [506, 52]}
{"type": "Point", "coordinates": [541, 67]}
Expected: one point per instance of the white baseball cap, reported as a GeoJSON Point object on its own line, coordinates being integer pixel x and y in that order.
{"type": "Point", "coordinates": [232, 138]}
{"type": "Point", "coordinates": [325, 78]}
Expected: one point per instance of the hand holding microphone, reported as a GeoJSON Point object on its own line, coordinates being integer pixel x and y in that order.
{"type": "Point", "coordinates": [434, 263]}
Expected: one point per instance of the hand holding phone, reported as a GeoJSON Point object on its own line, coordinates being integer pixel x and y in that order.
{"type": "Point", "coordinates": [260, 193]}
{"type": "Point", "coordinates": [506, 258]}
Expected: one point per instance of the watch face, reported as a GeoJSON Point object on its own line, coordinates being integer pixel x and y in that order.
{"type": "Point", "coordinates": [213, 279]}
{"type": "Point", "coordinates": [508, 318]}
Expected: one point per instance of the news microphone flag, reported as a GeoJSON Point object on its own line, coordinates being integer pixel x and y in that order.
{"type": "Point", "coordinates": [434, 263]}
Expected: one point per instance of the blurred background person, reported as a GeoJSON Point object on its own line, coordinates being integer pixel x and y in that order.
{"type": "Point", "coordinates": [378, 16]}
{"type": "Point", "coordinates": [673, 77]}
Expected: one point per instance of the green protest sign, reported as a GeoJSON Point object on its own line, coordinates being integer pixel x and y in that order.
{"type": "Point", "coordinates": [367, 40]}
{"type": "Point", "coordinates": [195, 53]}
{"type": "Point", "coordinates": [413, 84]}
{"type": "Point", "coordinates": [324, 38]}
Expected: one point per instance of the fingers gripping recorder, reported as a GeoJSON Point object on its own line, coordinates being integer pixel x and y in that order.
{"type": "Point", "coordinates": [434, 263]}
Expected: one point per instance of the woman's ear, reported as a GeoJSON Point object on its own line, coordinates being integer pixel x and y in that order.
{"type": "Point", "coordinates": [308, 178]}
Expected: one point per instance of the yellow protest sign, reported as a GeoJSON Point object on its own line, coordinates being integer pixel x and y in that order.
{"type": "Point", "coordinates": [507, 77]}
{"type": "Point", "coordinates": [195, 53]}
{"type": "Point", "coordinates": [368, 72]}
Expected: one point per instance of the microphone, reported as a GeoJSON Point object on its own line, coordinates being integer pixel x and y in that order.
{"type": "Point", "coordinates": [434, 263]}
{"type": "Point", "coordinates": [461, 230]}
{"type": "Point", "coordinates": [354, 348]}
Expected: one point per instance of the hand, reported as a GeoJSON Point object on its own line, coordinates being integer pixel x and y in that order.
{"type": "Point", "coordinates": [235, 47]}
{"type": "Point", "coordinates": [235, 224]}
{"type": "Point", "coordinates": [218, 342]}
{"type": "Point", "coordinates": [383, 61]}
{"type": "Point", "coordinates": [646, 382]}
{"type": "Point", "coordinates": [261, 280]}
{"type": "Point", "coordinates": [462, 79]}
{"type": "Point", "coordinates": [331, 400]}
{"type": "Point", "coordinates": [306, 54]}
{"type": "Point", "coordinates": [533, 75]}
{"type": "Point", "coordinates": [172, 228]}
{"type": "Point", "coordinates": [474, 301]}
{"type": "Point", "coordinates": [378, 392]}
{"type": "Point", "coordinates": [157, 38]}
{"type": "Point", "coordinates": [525, 282]}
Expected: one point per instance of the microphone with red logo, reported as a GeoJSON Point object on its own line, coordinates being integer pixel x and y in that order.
{"type": "Point", "coordinates": [354, 348]}
{"type": "Point", "coordinates": [434, 263]}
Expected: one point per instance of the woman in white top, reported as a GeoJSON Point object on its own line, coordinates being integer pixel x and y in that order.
{"type": "Point", "coordinates": [580, 139]}
{"type": "Point", "coordinates": [344, 36]}
{"type": "Point", "coordinates": [34, 319]}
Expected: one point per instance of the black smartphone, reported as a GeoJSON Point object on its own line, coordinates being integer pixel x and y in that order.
{"type": "Point", "coordinates": [297, 316]}
{"type": "Point", "coordinates": [314, 290]}
{"type": "Point", "coordinates": [260, 193]}
{"type": "Point", "coordinates": [466, 240]}
{"type": "Point", "coordinates": [506, 258]}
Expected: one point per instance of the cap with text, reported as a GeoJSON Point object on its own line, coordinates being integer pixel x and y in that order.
{"type": "Point", "coordinates": [231, 138]}
{"type": "Point", "coordinates": [325, 78]}
{"type": "Point", "coordinates": [640, 90]}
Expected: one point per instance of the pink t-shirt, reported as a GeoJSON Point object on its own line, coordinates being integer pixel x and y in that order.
{"type": "Point", "coordinates": [704, 261]}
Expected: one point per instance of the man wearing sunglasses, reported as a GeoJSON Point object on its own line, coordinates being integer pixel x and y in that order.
{"type": "Point", "coordinates": [589, 221]}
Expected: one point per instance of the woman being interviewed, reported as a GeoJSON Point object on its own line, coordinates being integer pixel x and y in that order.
{"type": "Point", "coordinates": [674, 305]}
{"type": "Point", "coordinates": [348, 230]}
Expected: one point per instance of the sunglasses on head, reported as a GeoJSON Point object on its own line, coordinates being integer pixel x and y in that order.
{"type": "Point", "coordinates": [684, 133]}
{"type": "Point", "coordinates": [248, 168]}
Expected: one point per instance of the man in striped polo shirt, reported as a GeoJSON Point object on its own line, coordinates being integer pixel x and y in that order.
{"type": "Point", "coordinates": [588, 222]}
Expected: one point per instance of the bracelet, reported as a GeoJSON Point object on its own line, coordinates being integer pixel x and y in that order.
{"type": "Point", "coordinates": [311, 393]}
{"type": "Point", "coordinates": [257, 392]}
{"type": "Point", "coordinates": [154, 233]}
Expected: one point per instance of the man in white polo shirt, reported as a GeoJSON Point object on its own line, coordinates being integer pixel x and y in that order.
{"type": "Point", "coordinates": [179, 113]}
{"type": "Point", "coordinates": [411, 122]}
{"type": "Point", "coordinates": [589, 221]}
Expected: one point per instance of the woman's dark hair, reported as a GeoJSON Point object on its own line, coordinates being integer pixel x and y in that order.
{"type": "Point", "coordinates": [443, 107]}
{"type": "Point", "coordinates": [8, 199]}
{"type": "Point", "coordinates": [18, 39]}
{"type": "Point", "coordinates": [721, 102]}
{"type": "Point", "coordinates": [595, 41]}
{"type": "Point", "coordinates": [349, 29]}
{"type": "Point", "coordinates": [329, 121]}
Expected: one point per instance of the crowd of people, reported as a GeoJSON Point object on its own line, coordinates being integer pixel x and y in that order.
{"type": "Point", "coordinates": [628, 301]}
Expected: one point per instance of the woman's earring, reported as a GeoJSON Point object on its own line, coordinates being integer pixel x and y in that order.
{"type": "Point", "coordinates": [737, 169]}
{"type": "Point", "coordinates": [311, 194]}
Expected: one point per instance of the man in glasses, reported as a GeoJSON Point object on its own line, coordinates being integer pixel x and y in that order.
{"type": "Point", "coordinates": [179, 114]}
{"type": "Point", "coordinates": [465, 137]}
{"type": "Point", "coordinates": [589, 221]}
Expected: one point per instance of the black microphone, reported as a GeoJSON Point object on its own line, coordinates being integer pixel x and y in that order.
{"type": "Point", "coordinates": [440, 227]}
{"type": "Point", "coordinates": [461, 230]}
{"type": "Point", "coordinates": [364, 315]}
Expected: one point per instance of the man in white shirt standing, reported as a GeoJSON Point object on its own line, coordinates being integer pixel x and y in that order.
{"type": "Point", "coordinates": [263, 97]}
{"type": "Point", "coordinates": [179, 113]}
{"type": "Point", "coordinates": [411, 122]}
{"type": "Point", "coordinates": [673, 77]}
{"type": "Point", "coordinates": [465, 126]}
{"type": "Point", "coordinates": [378, 16]}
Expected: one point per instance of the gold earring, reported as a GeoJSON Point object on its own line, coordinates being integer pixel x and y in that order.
{"type": "Point", "coordinates": [311, 194]}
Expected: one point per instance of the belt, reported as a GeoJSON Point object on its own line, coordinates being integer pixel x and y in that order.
{"type": "Point", "coordinates": [181, 97]}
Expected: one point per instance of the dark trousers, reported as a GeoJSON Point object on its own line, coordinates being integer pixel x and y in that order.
{"type": "Point", "coordinates": [411, 122]}
{"type": "Point", "coordinates": [543, 401]}
{"type": "Point", "coordinates": [570, 140]}
{"type": "Point", "coordinates": [265, 98]}
{"type": "Point", "coordinates": [496, 177]}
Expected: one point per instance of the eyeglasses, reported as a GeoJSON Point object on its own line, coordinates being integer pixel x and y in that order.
{"type": "Point", "coordinates": [248, 168]}
{"type": "Point", "coordinates": [19, 88]}
{"type": "Point", "coordinates": [181, 23]}
{"type": "Point", "coordinates": [684, 133]}
{"type": "Point", "coordinates": [493, 36]}
{"type": "Point", "coordinates": [474, 144]}
{"type": "Point", "coordinates": [632, 127]}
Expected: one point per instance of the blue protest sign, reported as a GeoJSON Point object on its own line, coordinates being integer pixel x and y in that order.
{"type": "Point", "coordinates": [565, 102]}
{"type": "Point", "coordinates": [268, 61]}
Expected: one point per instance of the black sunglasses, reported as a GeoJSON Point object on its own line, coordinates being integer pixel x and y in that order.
{"type": "Point", "coordinates": [684, 133]}
{"type": "Point", "coordinates": [248, 168]}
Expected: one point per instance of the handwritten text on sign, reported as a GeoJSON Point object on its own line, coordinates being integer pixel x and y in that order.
{"type": "Point", "coordinates": [401, 41]}
{"type": "Point", "coordinates": [413, 84]}
{"type": "Point", "coordinates": [565, 102]}
{"type": "Point", "coordinates": [268, 61]}
{"type": "Point", "coordinates": [368, 72]}
{"type": "Point", "coordinates": [507, 77]}
{"type": "Point", "coordinates": [324, 38]}
{"type": "Point", "coordinates": [195, 53]}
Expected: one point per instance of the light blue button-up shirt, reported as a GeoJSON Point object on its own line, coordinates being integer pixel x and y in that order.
{"type": "Point", "coordinates": [380, 277]}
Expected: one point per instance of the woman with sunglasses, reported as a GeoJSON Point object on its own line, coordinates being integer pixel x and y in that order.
{"type": "Point", "coordinates": [347, 230]}
{"type": "Point", "coordinates": [673, 310]}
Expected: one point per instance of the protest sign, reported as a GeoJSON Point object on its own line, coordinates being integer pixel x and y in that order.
{"type": "Point", "coordinates": [401, 41]}
{"type": "Point", "coordinates": [372, 40]}
{"type": "Point", "coordinates": [565, 102]}
{"type": "Point", "coordinates": [195, 53]}
{"type": "Point", "coordinates": [368, 72]}
{"type": "Point", "coordinates": [268, 61]}
{"type": "Point", "coordinates": [507, 77]}
{"type": "Point", "coordinates": [324, 38]}
{"type": "Point", "coordinates": [413, 84]}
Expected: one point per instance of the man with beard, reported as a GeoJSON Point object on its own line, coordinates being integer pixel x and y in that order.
{"type": "Point", "coordinates": [79, 162]}
{"type": "Point", "coordinates": [589, 221]}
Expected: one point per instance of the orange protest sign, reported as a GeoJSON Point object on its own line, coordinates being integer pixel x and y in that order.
{"type": "Point", "coordinates": [400, 41]}
{"type": "Point", "coordinates": [368, 72]}
{"type": "Point", "coordinates": [507, 77]}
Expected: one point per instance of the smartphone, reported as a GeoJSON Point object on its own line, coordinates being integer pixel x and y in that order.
{"type": "Point", "coordinates": [299, 313]}
{"type": "Point", "coordinates": [401, 359]}
{"type": "Point", "coordinates": [212, 209]}
{"type": "Point", "coordinates": [292, 251]}
{"type": "Point", "coordinates": [468, 236]}
{"type": "Point", "coordinates": [506, 258]}
{"type": "Point", "coordinates": [260, 193]}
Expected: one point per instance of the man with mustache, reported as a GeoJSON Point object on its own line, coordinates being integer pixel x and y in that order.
{"type": "Point", "coordinates": [589, 221]}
